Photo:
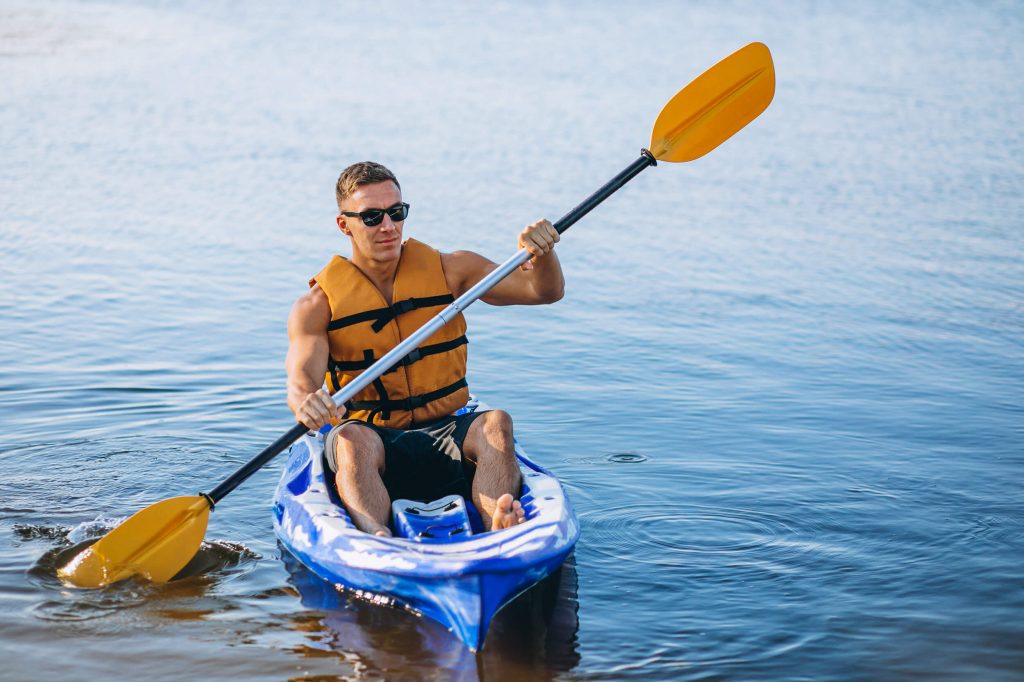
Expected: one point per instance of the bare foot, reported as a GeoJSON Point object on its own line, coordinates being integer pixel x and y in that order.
{"type": "Point", "coordinates": [369, 526]}
{"type": "Point", "coordinates": [508, 512]}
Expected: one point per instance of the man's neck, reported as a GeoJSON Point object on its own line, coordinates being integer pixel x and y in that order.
{"type": "Point", "coordinates": [380, 273]}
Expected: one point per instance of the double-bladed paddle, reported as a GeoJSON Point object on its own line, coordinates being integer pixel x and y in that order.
{"type": "Point", "coordinates": [158, 541]}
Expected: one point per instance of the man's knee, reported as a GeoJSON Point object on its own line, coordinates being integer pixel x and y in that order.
{"type": "Point", "coordinates": [493, 436]}
{"type": "Point", "coordinates": [498, 421]}
{"type": "Point", "coordinates": [357, 445]}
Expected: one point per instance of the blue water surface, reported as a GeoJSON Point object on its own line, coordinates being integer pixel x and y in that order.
{"type": "Point", "coordinates": [785, 388]}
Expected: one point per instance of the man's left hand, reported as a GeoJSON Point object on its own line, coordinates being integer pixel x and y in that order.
{"type": "Point", "coordinates": [538, 238]}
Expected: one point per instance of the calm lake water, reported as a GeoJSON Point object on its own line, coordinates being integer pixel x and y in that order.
{"type": "Point", "coordinates": [785, 389]}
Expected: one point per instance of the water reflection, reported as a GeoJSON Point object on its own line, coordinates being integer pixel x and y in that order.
{"type": "Point", "coordinates": [534, 637]}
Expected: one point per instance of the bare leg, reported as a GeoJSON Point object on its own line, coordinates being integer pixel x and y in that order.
{"type": "Point", "coordinates": [360, 456]}
{"type": "Point", "coordinates": [496, 485]}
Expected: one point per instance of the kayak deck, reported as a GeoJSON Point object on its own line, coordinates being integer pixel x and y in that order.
{"type": "Point", "coordinates": [461, 583]}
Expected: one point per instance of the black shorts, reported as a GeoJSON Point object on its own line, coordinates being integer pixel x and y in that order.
{"type": "Point", "coordinates": [423, 464]}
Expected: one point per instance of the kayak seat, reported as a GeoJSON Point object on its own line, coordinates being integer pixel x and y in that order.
{"type": "Point", "coordinates": [441, 521]}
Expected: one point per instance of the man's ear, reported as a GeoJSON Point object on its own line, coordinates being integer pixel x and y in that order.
{"type": "Point", "coordinates": [340, 219]}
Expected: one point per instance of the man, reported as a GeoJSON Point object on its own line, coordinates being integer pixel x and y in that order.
{"type": "Point", "coordinates": [399, 437]}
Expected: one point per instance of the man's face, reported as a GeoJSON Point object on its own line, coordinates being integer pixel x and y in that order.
{"type": "Point", "coordinates": [381, 242]}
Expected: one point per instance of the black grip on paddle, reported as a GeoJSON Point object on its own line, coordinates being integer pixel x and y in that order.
{"type": "Point", "coordinates": [257, 463]}
{"type": "Point", "coordinates": [569, 219]}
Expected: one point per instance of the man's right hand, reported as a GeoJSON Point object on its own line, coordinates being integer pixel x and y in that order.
{"type": "Point", "coordinates": [317, 409]}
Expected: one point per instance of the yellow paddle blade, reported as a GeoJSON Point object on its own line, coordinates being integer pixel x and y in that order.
{"type": "Point", "coordinates": [714, 107]}
{"type": "Point", "coordinates": [154, 543]}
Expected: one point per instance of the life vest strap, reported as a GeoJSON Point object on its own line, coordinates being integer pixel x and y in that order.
{"type": "Point", "coordinates": [333, 366]}
{"type": "Point", "coordinates": [406, 404]}
{"type": "Point", "coordinates": [385, 315]}
{"type": "Point", "coordinates": [413, 356]}
{"type": "Point", "coordinates": [382, 391]}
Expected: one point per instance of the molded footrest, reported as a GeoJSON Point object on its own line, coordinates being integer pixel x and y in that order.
{"type": "Point", "coordinates": [441, 521]}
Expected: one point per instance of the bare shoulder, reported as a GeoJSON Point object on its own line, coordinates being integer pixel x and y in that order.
{"type": "Point", "coordinates": [463, 269]}
{"type": "Point", "coordinates": [311, 313]}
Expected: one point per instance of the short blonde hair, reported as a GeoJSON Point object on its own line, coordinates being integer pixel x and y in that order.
{"type": "Point", "coordinates": [362, 173]}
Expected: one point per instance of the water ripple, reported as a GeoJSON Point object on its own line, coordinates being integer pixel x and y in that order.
{"type": "Point", "coordinates": [698, 540]}
{"type": "Point", "coordinates": [626, 458]}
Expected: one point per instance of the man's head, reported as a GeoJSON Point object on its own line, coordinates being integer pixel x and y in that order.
{"type": "Point", "coordinates": [371, 212]}
{"type": "Point", "coordinates": [358, 174]}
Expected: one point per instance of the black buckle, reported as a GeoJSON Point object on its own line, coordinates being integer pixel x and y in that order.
{"type": "Point", "coordinates": [393, 311]}
{"type": "Point", "coordinates": [403, 307]}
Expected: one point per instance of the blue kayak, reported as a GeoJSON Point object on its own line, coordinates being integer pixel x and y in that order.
{"type": "Point", "coordinates": [438, 564]}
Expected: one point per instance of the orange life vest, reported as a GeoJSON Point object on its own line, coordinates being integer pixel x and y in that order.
{"type": "Point", "coordinates": [428, 383]}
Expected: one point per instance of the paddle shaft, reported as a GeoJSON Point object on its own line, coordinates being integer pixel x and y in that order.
{"type": "Point", "coordinates": [410, 344]}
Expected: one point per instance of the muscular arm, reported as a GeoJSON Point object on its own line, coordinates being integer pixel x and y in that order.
{"type": "Point", "coordinates": [306, 362]}
{"type": "Point", "coordinates": [539, 281]}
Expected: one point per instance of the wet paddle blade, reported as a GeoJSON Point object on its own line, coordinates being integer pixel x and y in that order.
{"type": "Point", "coordinates": [154, 543]}
{"type": "Point", "coordinates": [715, 106]}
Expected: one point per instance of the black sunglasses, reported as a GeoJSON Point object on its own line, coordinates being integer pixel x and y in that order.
{"type": "Point", "coordinates": [375, 216]}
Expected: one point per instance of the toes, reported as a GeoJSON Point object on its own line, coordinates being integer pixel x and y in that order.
{"type": "Point", "coordinates": [508, 512]}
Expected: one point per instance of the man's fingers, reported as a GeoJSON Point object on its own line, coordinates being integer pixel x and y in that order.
{"type": "Point", "coordinates": [538, 239]}
{"type": "Point", "coordinates": [550, 233]}
{"type": "Point", "coordinates": [317, 409]}
{"type": "Point", "coordinates": [309, 421]}
{"type": "Point", "coordinates": [328, 403]}
{"type": "Point", "coordinates": [312, 417]}
{"type": "Point", "coordinates": [546, 234]}
{"type": "Point", "coordinates": [538, 244]}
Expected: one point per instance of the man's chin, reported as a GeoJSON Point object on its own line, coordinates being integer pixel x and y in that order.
{"type": "Point", "coordinates": [390, 250]}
